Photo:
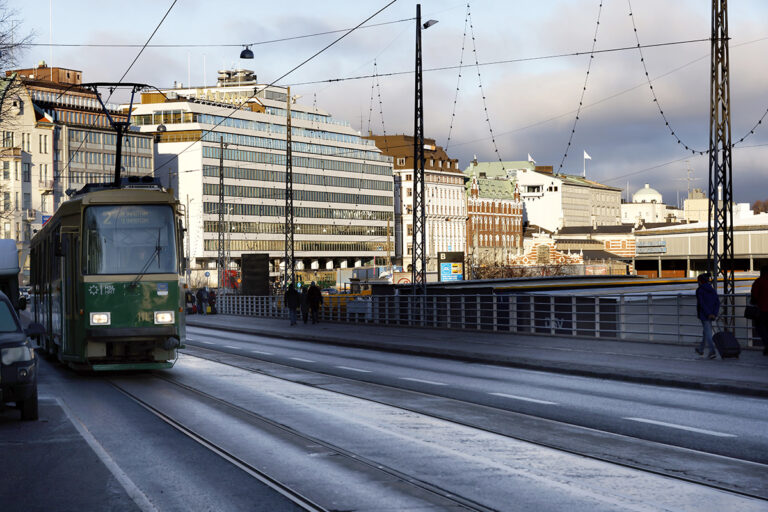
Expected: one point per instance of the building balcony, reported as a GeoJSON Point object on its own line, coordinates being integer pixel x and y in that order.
{"type": "Point", "coordinates": [45, 186]}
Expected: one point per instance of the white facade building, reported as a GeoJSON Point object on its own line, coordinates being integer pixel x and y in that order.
{"type": "Point", "coordinates": [648, 207]}
{"type": "Point", "coordinates": [342, 185]}
{"type": "Point", "coordinates": [553, 201]}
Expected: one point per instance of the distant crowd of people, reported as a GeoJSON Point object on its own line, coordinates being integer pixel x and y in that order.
{"type": "Point", "coordinates": [201, 302]}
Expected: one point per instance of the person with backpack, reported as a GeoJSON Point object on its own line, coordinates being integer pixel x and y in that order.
{"type": "Point", "coordinates": [759, 297]}
{"type": "Point", "coordinates": [707, 308]}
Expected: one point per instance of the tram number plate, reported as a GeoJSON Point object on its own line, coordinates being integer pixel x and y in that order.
{"type": "Point", "coordinates": [145, 316]}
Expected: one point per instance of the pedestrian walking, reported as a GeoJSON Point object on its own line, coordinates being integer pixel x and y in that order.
{"type": "Point", "coordinates": [304, 301]}
{"type": "Point", "coordinates": [707, 308]}
{"type": "Point", "coordinates": [759, 297]}
{"type": "Point", "coordinates": [315, 299]}
{"type": "Point", "coordinates": [202, 301]}
{"type": "Point", "coordinates": [292, 302]}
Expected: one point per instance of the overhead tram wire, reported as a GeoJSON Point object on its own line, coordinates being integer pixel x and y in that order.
{"type": "Point", "coordinates": [458, 81]}
{"type": "Point", "coordinates": [111, 92]}
{"type": "Point", "coordinates": [658, 103]}
{"type": "Point", "coordinates": [482, 91]}
{"type": "Point", "coordinates": [237, 108]}
{"type": "Point", "coordinates": [225, 45]}
{"type": "Point", "coordinates": [506, 61]}
{"type": "Point", "coordinates": [584, 89]}
{"type": "Point", "coordinates": [616, 95]}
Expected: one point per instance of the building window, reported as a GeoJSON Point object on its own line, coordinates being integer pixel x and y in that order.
{"type": "Point", "coordinates": [401, 161]}
{"type": "Point", "coordinates": [6, 170]}
{"type": "Point", "coordinates": [25, 172]}
{"type": "Point", "coordinates": [27, 201]}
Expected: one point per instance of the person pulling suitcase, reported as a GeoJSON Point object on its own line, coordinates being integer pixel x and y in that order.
{"type": "Point", "coordinates": [707, 308]}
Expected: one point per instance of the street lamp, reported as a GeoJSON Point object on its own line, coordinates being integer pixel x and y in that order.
{"type": "Point", "coordinates": [247, 53]}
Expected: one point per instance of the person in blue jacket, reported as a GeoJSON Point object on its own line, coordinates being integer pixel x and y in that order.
{"type": "Point", "coordinates": [707, 308]}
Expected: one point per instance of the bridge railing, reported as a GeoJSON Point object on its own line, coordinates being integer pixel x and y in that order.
{"type": "Point", "coordinates": [664, 318]}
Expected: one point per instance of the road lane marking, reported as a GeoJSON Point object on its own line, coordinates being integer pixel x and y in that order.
{"type": "Point", "coordinates": [230, 346]}
{"type": "Point", "coordinates": [353, 369]}
{"type": "Point", "coordinates": [302, 360]}
{"type": "Point", "coordinates": [261, 352]}
{"type": "Point", "coordinates": [208, 342]}
{"type": "Point", "coordinates": [524, 399]}
{"type": "Point", "coordinates": [125, 481]}
{"type": "Point", "coordinates": [681, 427]}
{"type": "Point", "coordinates": [424, 381]}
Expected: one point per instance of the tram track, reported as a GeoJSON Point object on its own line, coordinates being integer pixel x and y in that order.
{"type": "Point", "coordinates": [440, 498]}
{"type": "Point", "coordinates": [652, 452]}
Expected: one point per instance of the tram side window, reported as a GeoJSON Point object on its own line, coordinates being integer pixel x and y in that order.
{"type": "Point", "coordinates": [129, 239]}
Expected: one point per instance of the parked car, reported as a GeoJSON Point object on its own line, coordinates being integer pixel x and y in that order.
{"type": "Point", "coordinates": [18, 362]}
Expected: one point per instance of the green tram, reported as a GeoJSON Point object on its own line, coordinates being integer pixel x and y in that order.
{"type": "Point", "coordinates": [107, 276]}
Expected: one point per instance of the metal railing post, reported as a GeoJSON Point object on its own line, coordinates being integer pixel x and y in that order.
{"type": "Point", "coordinates": [463, 312]}
{"type": "Point", "coordinates": [552, 314]}
{"type": "Point", "coordinates": [574, 316]}
{"type": "Point", "coordinates": [650, 317]}
{"type": "Point", "coordinates": [597, 317]}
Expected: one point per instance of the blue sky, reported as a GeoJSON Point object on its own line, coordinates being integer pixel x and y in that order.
{"type": "Point", "coordinates": [531, 105]}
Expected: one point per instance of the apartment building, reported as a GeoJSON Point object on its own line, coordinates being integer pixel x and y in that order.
{"type": "Point", "coordinates": [55, 137]}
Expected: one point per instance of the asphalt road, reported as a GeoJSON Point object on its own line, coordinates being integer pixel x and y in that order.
{"type": "Point", "coordinates": [709, 422]}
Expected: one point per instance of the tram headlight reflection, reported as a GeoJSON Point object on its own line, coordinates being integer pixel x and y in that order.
{"type": "Point", "coordinates": [101, 318]}
{"type": "Point", "coordinates": [164, 317]}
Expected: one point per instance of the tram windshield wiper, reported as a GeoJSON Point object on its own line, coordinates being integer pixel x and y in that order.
{"type": "Point", "coordinates": [155, 254]}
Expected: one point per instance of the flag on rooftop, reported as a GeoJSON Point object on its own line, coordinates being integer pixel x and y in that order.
{"type": "Point", "coordinates": [586, 156]}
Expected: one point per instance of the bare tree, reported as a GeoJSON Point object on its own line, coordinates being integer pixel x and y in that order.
{"type": "Point", "coordinates": [12, 45]}
{"type": "Point", "coordinates": [760, 206]}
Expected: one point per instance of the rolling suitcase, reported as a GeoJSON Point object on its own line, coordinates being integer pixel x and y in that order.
{"type": "Point", "coordinates": [726, 343]}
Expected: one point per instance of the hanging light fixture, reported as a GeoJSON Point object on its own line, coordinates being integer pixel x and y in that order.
{"type": "Point", "coordinates": [246, 53]}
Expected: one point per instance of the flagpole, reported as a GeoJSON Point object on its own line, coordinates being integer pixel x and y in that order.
{"type": "Point", "coordinates": [584, 173]}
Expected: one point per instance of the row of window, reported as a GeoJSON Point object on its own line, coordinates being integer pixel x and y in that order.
{"type": "Point", "coordinates": [91, 158]}
{"type": "Point", "coordinates": [9, 141]}
{"type": "Point", "coordinates": [299, 246]}
{"type": "Point", "coordinates": [82, 118]}
{"type": "Point", "coordinates": [266, 210]}
{"type": "Point", "coordinates": [279, 128]}
{"type": "Point", "coordinates": [212, 189]}
{"type": "Point", "coordinates": [298, 178]}
{"type": "Point", "coordinates": [109, 139]}
{"type": "Point", "coordinates": [299, 147]}
{"type": "Point", "coordinates": [273, 228]}
{"type": "Point", "coordinates": [239, 155]}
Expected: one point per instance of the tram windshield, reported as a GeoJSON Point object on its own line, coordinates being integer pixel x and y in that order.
{"type": "Point", "coordinates": [129, 239]}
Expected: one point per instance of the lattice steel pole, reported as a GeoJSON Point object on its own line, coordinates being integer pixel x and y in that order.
{"type": "Point", "coordinates": [419, 240]}
{"type": "Point", "coordinates": [720, 223]}
{"type": "Point", "coordinates": [290, 276]}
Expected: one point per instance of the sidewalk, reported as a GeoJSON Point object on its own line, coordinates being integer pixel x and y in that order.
{"type": "Point", "coordinates": [648, 363]}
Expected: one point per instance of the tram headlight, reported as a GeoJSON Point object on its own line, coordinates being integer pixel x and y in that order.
{"type": "Point", "coordinates": [12, 355]}
{"type": "Point", "coordinates": [101, 319]}
{"type": "Point", "coordinates": [164, 317]}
